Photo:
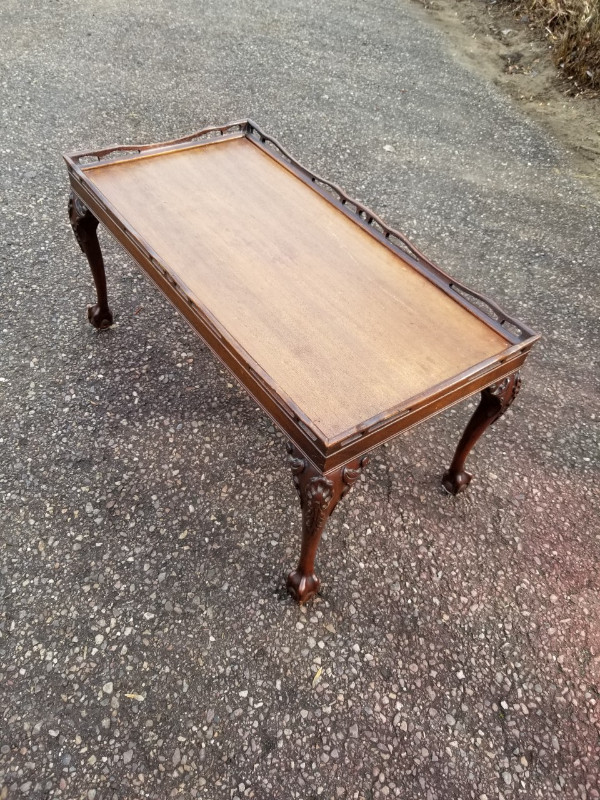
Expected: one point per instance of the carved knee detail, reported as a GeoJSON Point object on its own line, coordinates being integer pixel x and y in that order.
{"type": "Point", "coordinates": [319, 495]}
{"type": "Point", "coordinates": [500, 396]}
{"type": "Point", "coordinates": [495, 401]}
{"type": "Point", "coordinates": [83, 222]}
{"type": "Point", "coordinates": [85, 225]}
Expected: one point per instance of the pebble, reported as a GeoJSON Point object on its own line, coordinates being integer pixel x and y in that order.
{"type": "Point", "coordinates": [148, 514]}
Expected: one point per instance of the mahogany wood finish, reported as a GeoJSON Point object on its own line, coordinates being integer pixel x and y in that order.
{"type": "Point", "coordinates": [260, 249]}
{"type": "Point", "coordinates": [319, 494]}
{"type": "Point", "coordinates": [495, 400]}
{"type": "Point", "coordinates": [84, 225]}
{"type": "Point", "coordinates": [339, 327]}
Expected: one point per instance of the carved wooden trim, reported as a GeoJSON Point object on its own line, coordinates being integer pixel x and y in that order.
{"type": "Point", "coordinates": [319, 495]}
{"type": "Point", "coordinates": [367, 217]}
{"type": "Point", "coordinates": [482, 306]}
{"type": "Point", "coordinates": [503, 394]}
{"type": "Point", "coordinates": [83, 222]}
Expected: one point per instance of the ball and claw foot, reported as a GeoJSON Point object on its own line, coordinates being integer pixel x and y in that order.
{"type": "Point", "coordinates": [319, 494]}
{"type": "Point", "coordinates": [99, 317]}
{"type": "Point", "coordinates": [302, 587]}
{"type": "Point", "coordinates": [456, 482]}
{"type": "Point", "coordinates": [495, 400]}
{"type": "Point", "coordinates": [85, 225]}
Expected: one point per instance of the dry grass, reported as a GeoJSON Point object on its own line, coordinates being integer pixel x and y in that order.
{"type": "Point", "coordinates": [573, 27]}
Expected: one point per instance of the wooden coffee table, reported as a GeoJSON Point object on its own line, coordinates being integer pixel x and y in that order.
{"type": "Point", "coordinates": [334, 323]}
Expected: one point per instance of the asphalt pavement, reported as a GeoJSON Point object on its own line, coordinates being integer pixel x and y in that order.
{"type": "Point", "coordinates": [147, 646]}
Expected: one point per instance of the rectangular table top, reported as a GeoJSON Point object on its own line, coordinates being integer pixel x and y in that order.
{"type": "Point", "coordinates": [343, 326]}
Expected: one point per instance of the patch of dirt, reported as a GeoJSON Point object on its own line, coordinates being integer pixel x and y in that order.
{"type": "Point", "coordinates": [502, 46]}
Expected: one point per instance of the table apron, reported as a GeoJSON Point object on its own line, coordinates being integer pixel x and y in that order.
{"type": "Point", "coordinates": [428, 408]}
{"type": "Point", "coordinates": [324, 456]}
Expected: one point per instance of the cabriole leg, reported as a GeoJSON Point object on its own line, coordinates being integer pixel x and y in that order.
{"type": "Point", "coordinates": [84, 225]}
{"type": "Point", "coordinates": [495, 400]}
{"type": "Point", "coordinates": [319, 494]}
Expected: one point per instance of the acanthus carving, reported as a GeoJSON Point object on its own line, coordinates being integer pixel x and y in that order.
{"type": "Point", "coordinates": [500, 396]}
{"type": "Point", "coordinates": [350, 476]}
{"type": "Point", "coordinates": [315, 491]}
{"type": "Point", "coordinates": [82, 221]}
{"type": "Point", "coordinates": [319, 495]}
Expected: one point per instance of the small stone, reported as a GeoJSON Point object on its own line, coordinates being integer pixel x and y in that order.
{"type": "Point", "coordinates": [53, 732]}
{"type": "Point", "coordinates": [507, 778]}
{"type": "Point", "coordinates": [450, 720]}
{"type": "Point", "coordinates": [354, 731]}
{"type": "Point", "coordinates": [108, 687]}
{"type": "Point", "coordinates": [176, 757]}
{"type": "Point", "coordinates": [127, 756]}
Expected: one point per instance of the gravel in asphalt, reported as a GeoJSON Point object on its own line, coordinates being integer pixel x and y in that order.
{"type": "Point", "coordinates": [147, 646]}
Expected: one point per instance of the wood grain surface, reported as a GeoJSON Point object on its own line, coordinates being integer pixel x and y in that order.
{"type": "Point", "coordinates": [342, 325]}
